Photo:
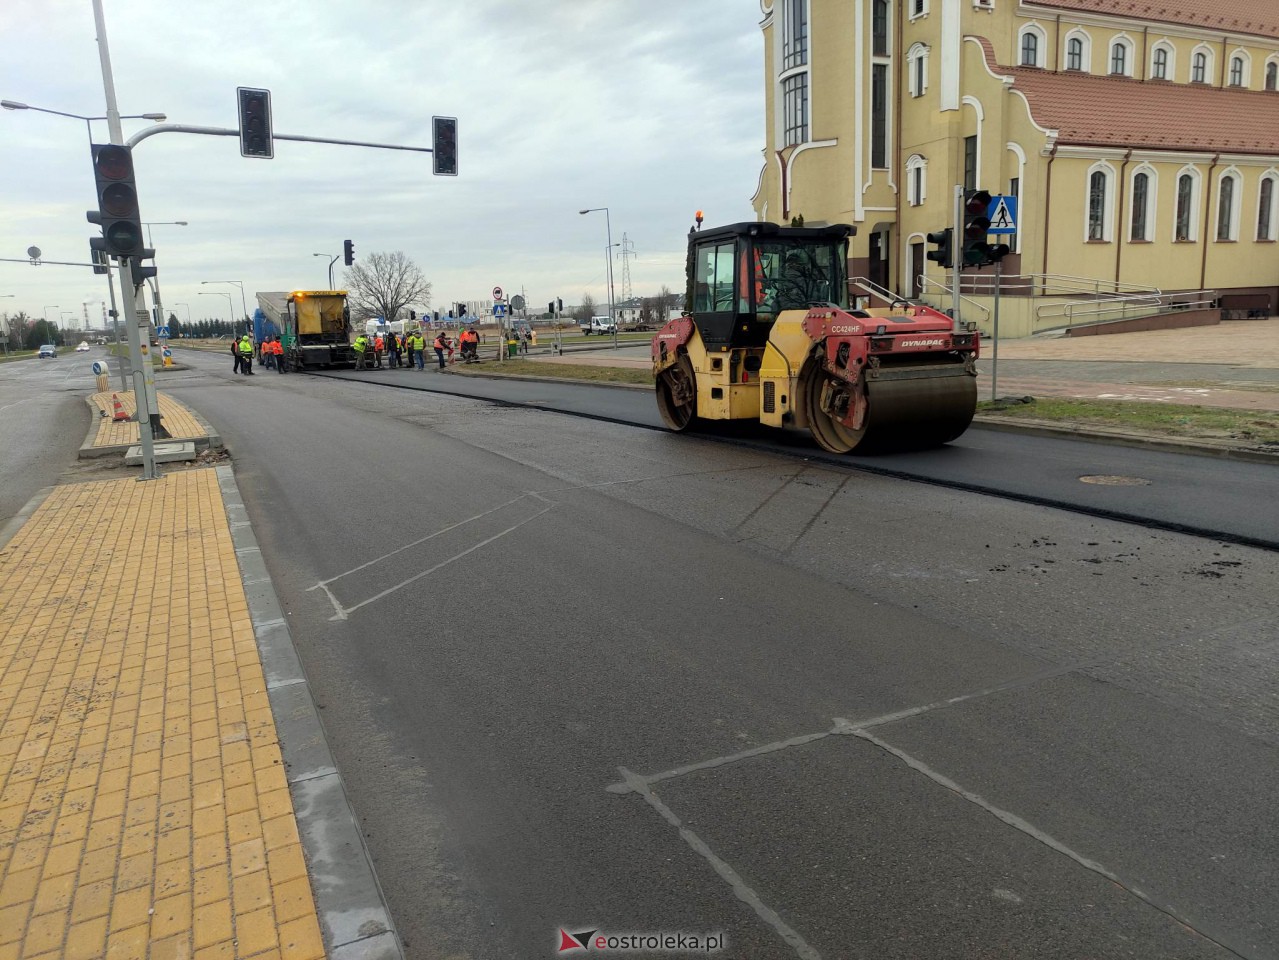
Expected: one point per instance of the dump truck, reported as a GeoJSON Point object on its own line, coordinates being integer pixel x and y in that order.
{"type": "Point", "coordinates": [314, 327]}
{"type": "Point", "coordinates": [768, 335]}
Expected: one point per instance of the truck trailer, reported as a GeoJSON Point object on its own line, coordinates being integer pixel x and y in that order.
{"type": "Point", "coordinates": [315, 327]}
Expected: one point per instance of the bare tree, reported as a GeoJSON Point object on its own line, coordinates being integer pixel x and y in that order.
{"type": "Point", "coordinates": [385, 283]}
{"type": "Point", "coordinates": [15, 327]}
{"type": "Point", "coordinates": [587, 309]}
{"type": "Point", "coordinates": [666, 301]}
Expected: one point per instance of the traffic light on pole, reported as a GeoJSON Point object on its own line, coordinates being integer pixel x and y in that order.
{"type": "Point", "coordinates": [117, 211]}
{"type": "Point", "coordinates": [944, 254]}
{"type": "Point", "coordinates": [559, 304]}
{"type": "Point", "coordinates": [255, 122]}
{"type": "Point", "coordinates": [550, 308]}
{"type": "Point", "coordinates": [976, 226]}
{"type": "Point", "coordinates": [348, 252]}
{"type": "Point", "coordinates": [444, 146]}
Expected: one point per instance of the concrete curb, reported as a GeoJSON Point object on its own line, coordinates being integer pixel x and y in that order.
{"type": "Point", "coordinates": [353, 914]}
{"type": "Point", "coordinates": [1201, 448]}
{"type": "Point", "coordinates": [19, 519]}
{"type": "Point", "coordinates": [211, 440]}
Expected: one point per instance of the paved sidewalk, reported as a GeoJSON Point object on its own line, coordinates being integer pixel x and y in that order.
{"type": "Point", "coordinates": [178, 420]}
{"type": "Point", "coordinates": [144, 806]}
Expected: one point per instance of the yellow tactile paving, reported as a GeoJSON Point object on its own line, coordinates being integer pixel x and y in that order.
{"type": "Point", "coordinates": [178, 420]}
{"type": "Point", "coordinates": [144, 810]}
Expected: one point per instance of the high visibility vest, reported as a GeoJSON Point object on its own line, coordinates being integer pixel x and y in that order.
{"type": "Point", "coordinates": [418, 342]}
{"type": "Point", "coordinates": [360, 344]}
{"type": "Point", "coordinates": [379, 344]}
{"type": "Point", "coordinates": [246, 345]}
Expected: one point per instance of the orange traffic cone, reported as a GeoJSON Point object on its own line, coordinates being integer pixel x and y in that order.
{"type": "Point", "coordinates": [120, 413]}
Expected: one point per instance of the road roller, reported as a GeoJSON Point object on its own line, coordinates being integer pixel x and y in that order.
{"type": "Point", "coordinates": [768, 335]}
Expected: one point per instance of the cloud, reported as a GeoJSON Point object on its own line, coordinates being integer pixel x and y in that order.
{"type": "Point", "coordinates": [654, 109]}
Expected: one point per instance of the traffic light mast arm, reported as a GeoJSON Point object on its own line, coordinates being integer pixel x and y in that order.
{"type": "Point", "coordinates": [151, 131]}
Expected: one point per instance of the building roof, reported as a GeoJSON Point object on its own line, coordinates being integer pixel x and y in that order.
{"type": "Point", "coordinates": [1092, 110]}
{"type": "Point", "coordinates": [1259, 18]}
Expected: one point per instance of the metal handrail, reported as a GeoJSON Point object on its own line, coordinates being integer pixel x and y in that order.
{"type": "Point", "coordinates": [874, 289]}
{"type": "Point", "coordinates": [1048, 284]}
{"type": "Point", "coordinates": [1072, 312]}
{"type": "Point", "coordinates": [946, 291]}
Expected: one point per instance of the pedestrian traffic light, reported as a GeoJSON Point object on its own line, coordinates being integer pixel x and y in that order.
{"type": "Point", "coordinates": [444, 146]}
{"type": "Point", "coordinates": [550, 307]}
{"type": "Point", "coordinates": [255, 122]}
{"type": "Point", "coordinates": [435, 316]}
{"type": "Point", "coordinates": [559, 304]}
{"type": "Point", "coordinates": [461, 310]}
{"type": "Point", "coordinates": [976, 226]}
{"type": "Point", "coordinates": [348, 252]}
{"type": "Point", "coordinates": [412, 314]}
{"type": "Point", "coordinates": [944, 253]}
{"type": "Point", "coordinates": [117, 212]}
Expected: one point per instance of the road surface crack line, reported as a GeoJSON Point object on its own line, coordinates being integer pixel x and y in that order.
{"type": "Point", "coordinates": [738, 885]}
{"type": "Point", "coordinates": [343, 613]}
{"type": "Point", "coordinates": [768, 499]}
{"type": "Point", "coordinates": [842, 727]}
{"type": "Point", "coordinates": [661, 476]}
{"type": "Point", "coordinates": [1030, 830]}
{"type": "Point", "coordinates": [817, 513]}
{"type": "Point", "coordinates": [421, 540]}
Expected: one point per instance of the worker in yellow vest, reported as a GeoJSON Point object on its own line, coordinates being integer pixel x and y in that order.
{"type": "Point", "coordinates": [360, 345]}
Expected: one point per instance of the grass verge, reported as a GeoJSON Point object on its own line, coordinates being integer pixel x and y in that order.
{"type": "Point", "coordinates": [15, 357]}
{"type": "Point", "coordinates": [1148, 419]}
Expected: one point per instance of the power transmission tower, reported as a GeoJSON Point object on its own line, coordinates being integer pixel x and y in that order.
{"type": "Point", "coordinates": [628, 251]}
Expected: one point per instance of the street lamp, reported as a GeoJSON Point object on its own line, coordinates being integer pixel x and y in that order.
{"type": "Point", "coordinates": [229, 302]}
{"type": "Point", "coordinates": [15, 105]}
{"type": "Point", "coordinates": [155, 281]}
{"type": "Point", "coordinates": [612, 319]}
{"type": "Point", "coordinates": [238, 283]}
{"type": "Point", "coordinates": [331, 262]}
{"type": "Point", "coordinates": [188, 306]}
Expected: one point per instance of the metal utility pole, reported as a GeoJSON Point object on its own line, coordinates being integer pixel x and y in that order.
{"type": "Point", "coordinates": [994, 357]}
{"type": "Point", "coordinates": [628, 251]}
{"type": "Point", "coordinates": [957, 251]}
{"type": "Point", "coordinates": [139, 361]}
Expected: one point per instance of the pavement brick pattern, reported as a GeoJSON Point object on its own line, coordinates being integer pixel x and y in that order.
{"type": "Point", "coordinates": [178, 420]}
{"type": "Point", "coordinates": [144, 810]}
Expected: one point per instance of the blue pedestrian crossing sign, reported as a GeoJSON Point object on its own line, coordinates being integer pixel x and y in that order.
{"type": "Point", "coordinates": [162, 331]}
{"type": "Point", "coordinates": [1002, 214]}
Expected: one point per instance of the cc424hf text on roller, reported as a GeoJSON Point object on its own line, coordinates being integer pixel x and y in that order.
{"type": "Point", "coordinates": [768, 335]}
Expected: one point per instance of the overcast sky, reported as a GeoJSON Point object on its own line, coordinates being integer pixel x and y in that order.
{"type": "Point", "coordinates": [653, 108]}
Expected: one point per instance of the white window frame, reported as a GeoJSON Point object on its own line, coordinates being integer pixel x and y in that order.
{"type": "Point", "coordinates": [1273, 234]}
{"type": "Point", "coordinates": [1236, 206]}
{"type": "Point", "coordinates": [1196, 195]}
{"type": "Point", "coordinates": [786, 73]}
{"type": "Point", "coordinates": [1164, 45]}
{"type": "Point", "coordinates": [1208, 64]}
{"type": "Point", "coordinates": [1271, 61]}
{"type": "Point", "coordinates": [1129, 49]}
{"type": "Point", "coordinates": [914, 56]}
{"type": "Point", "coordinates": [922, 9]}
{"type": "Point", "coordinates": [1108, 205]}
{"type": "Point", "coordinates": [1239, 53]}
{"type": "Point", "coordinates": [1152, 203]}
{"type": "Point", "coordinates": [1085, 59]}
{"type": "Point", "coordinates": [1040, 47]}
{"type": "Point", "coordinates": [916, 198]}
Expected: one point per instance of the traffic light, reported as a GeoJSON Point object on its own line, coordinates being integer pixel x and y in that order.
{"type": "Point", "coordinates": [550, 307]}
{"type": "Point", "coordinates": [976, 226]}
{"type": "Point", "coordinates": [348, 252]}
{"type": "Point", "coordinates": [117, 211]}
{"type": "Point", "coordinates": [444, 146]}
{"type": "Point", "coordinates": [412, 314]}
{"type": "Point", "coordinates": [559, 304]}
{"type": "Point", "coordinates": [98, 255]}
{"type": "Point", "coordinates": [140, 272]}
{"type": "Point", "coordinates": [255, 122]}
{"type": "Point", "coordinates": [944, 254]}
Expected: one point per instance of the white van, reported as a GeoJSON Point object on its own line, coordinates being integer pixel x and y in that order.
{"type": "Point", "coordinates": [597, 325]}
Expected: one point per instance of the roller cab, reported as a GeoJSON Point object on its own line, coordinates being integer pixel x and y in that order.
{"type": "Point", "coordinates": [770, 337]}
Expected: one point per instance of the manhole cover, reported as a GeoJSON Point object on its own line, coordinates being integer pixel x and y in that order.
{"type": "Point", "coordinates": [1112, 481]}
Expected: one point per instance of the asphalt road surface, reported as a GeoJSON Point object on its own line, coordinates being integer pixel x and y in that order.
{"type": "Point", "coordinates": [43, 421]}
{"type": "Point", "coordinates": [1179, 492]}
{"type": "Point", "coordinates": [583, 676]}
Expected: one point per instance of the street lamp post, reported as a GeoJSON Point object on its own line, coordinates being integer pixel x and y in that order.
{"type": "Point", "coordinates": [155, 281]}
{"type": "Point", "coordinates": [188, 306]}
{"type": "Point", "coordinates": [229, 302]}
{"type": "Point", "coordinates": [4, 334]}
{"type": "Point", "coordinates": [612, 318]}
{"type": "Point", "coordinates": [51, 306]}
{"type": "Point", "coordinates": [239, 283]}
{"type": "Point", "coordinates": [331, 262]}
{"type": "Point", "coordinates": [15, 105]}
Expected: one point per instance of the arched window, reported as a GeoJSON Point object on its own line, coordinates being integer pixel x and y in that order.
{"type": "Point", "coordinates": [916, 180]}
{"type": "Point", "coordinates": [1272, 76]}
{"type": "Point", "coordinates": [1140, 206]}
{"type": "Point", "coordinates": [1185, 208]}
{"type": "Point", "coordinates": [1199, 68]}
{"type": "Point", "coordinates": [1159, 69]}
{"type": "Point", "coordinates": [1029, 49]}
{"type": "Point", "coordinates": [1226, 190]}
{"type": "Point", "coordinates": [1266, 209]}
{"type": "Point", "coordinates": [1097, 206]}
{"type": "Point", "coordinates": [1119, 58]}
{"type": "Point", "coordinates": [1236, 71]}
{"type": "Point", "coordinates": [917, 69]}
{"type": "Point", "coordinates": [1074, 54]}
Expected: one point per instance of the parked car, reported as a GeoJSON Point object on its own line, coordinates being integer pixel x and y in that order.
{"type": "Point", "coordinates": [597, 325]}
{"type": "Point", "coordinates": [48, 350]}
{"type": "Point", "coordinates": [83, 347]}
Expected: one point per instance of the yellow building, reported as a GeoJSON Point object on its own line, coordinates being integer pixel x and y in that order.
{"type": "Point", "coordinates": [1141, 138]}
